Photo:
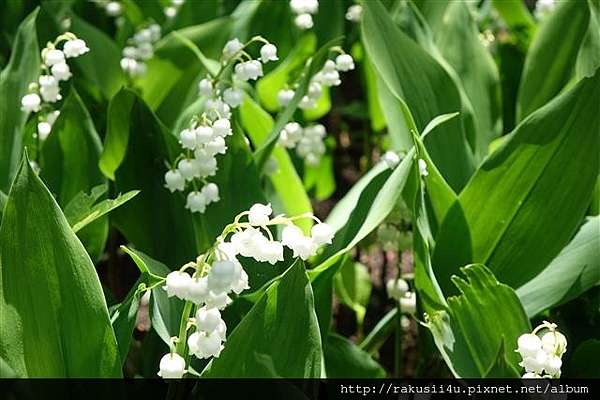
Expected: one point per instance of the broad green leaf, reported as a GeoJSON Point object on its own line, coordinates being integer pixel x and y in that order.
{"type": "Point", "coordinates": [552, 56]}
{"type": "Point", "coordinates": [135, 151]}
{"type": "Point", "coordinates": [583, 362]}
{"type": "Point", "coordinates": [258, 123]}
{"type": "Point", "coordinates": [321, 280]}
{"type": "Point", "coordinates": [353, 287]}
{"type": "Point", "coordinates": [377, 120]}
{"type": "Point", "coordinates": [588, 59]}
{"type": "Point", "coordinates": [3, 200]}
{"type": "Point", "coordinates": [484, 319]}
{"type": "Point", "coordinates": [395, 57]}
{"type": "Point", "coordinates": [101, 64]}
{"type": "Point", "coordinates": [343, 359]}
{"type": "Point", "coordinates": [83, 209]}
{"type": "Point", "coordinates": [22, 68]}
{"type": "Point", "coordinates": [319, 181]}
{"type": "Point", "coordinates": [123, 317]}
{"type": "Point", "coordinates": [501, 367]}
{"type": "Point", "coordinates": [165, 312]}
{"type": "Point", "coordinates": [458, 40]}
{"type": "Point", "coordinates": [398, 131]}
{"type": "Point", "coordinates": [575, 270]}
{"type": "Point", "coordinates": [527, 199]}
{"type": "Point", "coordinates": [54, 320]}
{"type": "Point", "coordinates": [263, 153]}
{"type": "Point", "coordinates": [279, 337]}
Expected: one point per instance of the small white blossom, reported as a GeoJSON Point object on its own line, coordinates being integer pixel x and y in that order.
{"type": "Point", "coordinates": [222, 275]}
{"type": "Point", "coordinates": [528, 345]}
{"type": "Point", "coordinates": [177, 284]}
{"type": "Point", "coordinates": [204, 134]}
{"type": "Point", "coordinates": [284, 97]}
{"type": "Point", "coordinates": [554, 342]}
{"type": "Point", "coordinates": [31, 102]}
{"type": "Point", "coordinates": [344, 62]}
{"type": "Point", "coordinates": [304, 21]}
{"type": "Point", "coordinates": [113, 8]}
{"type": "Point", "coordinates": [211, 192]}
{"type": "Point", "coordinates": [205, 345]}
{"type": "Point", "coordinates": [397, 288]}
{"type": "Point", "coordinates": [61, 71]}
{"type": "Point", "coordinates": [304, 6]}
{"type": "Point", "coordinates": [53, 57]}
{"type": "Point", "coordinates": [233, 97]}
{"type": "Point", "coordinates": [315, 90]}
{"type": "Point", "coordinates": [391, 159]}
{"type": "Point", "coordinates": [231, 48]}
{"type": "Point", "coordinates": [259, 214]}
{"type": "Point", "coordinates": [204, 165]}
{"type": "Point", "coordinates": [186, 169]}
{"type": "Point", "coordinates": [354, 13]}
{"type": "Point", "coordinates": [205, 87]}
{"type": "Point", "coordinates": [172, 366]}
{"type": "Point", "coordinates": [187, 138]}
{"type": "Point", "coordinates": [306, 103]}
{"type": "Point", "coordinates": [75, 47]}
{"type": "Point", "coordinates": [208, 319]}
{"type": "Point", "coordinates": [196, 202]}
{"type": "Point", "coordinates": [170, 12]}
{"type": "Point", "coordinates": [268, 52]}
{"type": "Point", "coordinates": [408, 303]}
{"type": "Point", "coordinates": [219, 301]}
{"type": "Point", "coordinates": [174, 181]}
{"type": "Point", "coordinates": [197, 290]}
{"type": "Point", "coordinates": [43, 130]}
{"type": "Point", "coordinates": [423, 167]}
{"type": "Point", "coordinates": [322, 233]}
{"type": "Point", "coordinates": [222, 127]}
{"type": "Point", "coordinates": [290, 134]}
{"type": "Point", "coordinates": [216, 146]}
{"type": "Point", "coordinates": [49, 88]}
{"type": "Point", "coordinates": [302, 246]}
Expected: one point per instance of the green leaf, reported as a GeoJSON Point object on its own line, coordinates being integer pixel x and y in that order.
{"type": "Point", "coordinates": [552, 56]}
{"type": "Point", "coordinates": [575, 270]}
{"type": "Point", "coordinates": [279, 337]}
{"type": "Point", "coordinates": [54, 320]}
{"type": "Point", "coordinates": [353, 287]}
{"type": "Point", "coordinates": [22, 68]}
{"type": "Point", "coordinates": [459, 42]}
{"type": "Point", "coordinates": [83, 209]}
{"type": "Point", "coordinates": [258, 123]}
{"type": "Point", "coordinates": [165, 312]}
{"type": "Point", "coordinates": [588, 59]}
{"type": "Point", "coordinates": [485, 317]}
{"type": "Point", "coordinates": [501, 367]}
{"type": "Point", "coordinates": [527, 199]}
{"type": "Point", "coordinates": [3, 200]}
{"type": "Point", "coordinates": [123, 317]}
{"type": "Point", "coordinates": [584, 361]}
{"type": "Point", "coordinates": [395, 56]}
{"type": "Point", "coordinates": [263, 153]}
{"type": "Point", "coordinates": [343, 359]}
{"type": "Point", "coordinates": [516, 15]}
{"type": "Point", "coordinates": [136, 148]}
{"type": "Point", "coordinates": [380, 333]}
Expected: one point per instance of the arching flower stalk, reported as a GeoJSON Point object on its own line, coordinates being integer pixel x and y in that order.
{"type": "Point", "coordinates": [207, 283]}
{"type": "Point", "coordinates": [205, 136]}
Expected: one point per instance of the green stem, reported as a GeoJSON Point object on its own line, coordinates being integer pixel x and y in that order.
{"type": "Point", "coordinates": [181, 347]}
{"type": "Point", "coordinates": [398, 344]}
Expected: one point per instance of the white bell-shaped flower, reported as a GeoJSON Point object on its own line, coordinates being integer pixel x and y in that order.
{"type": "Point", "coordinates": [344, 62]}
{"type": "Point", "coordinates": [423, 167]}
{"type": "Point", "coordinates": [75, 48]}
{"type": "Point", "coordinates": [177, 283]}
{"type": "Point", "coordinates": [186, 169]}
{"type": "Point", "coordinates": [554, 342]}
{"type": "Point", "coordinates": [215, 146]}
{"type": "Point", "coordinates": [535, 363]}
{"type": "Point", "coordinates": [397, 288]}
{"type": "Point", "coordinates": [259, 214]}
{"type": "Point", "coordinates": [391, 159]}
{"type": "Point", "coordinates": [304, 21]}
{"type": "Point", "coordinates": [242, 283]}
{"type": "Point", "coordinates": [196, 202]}
{"type": "Point", "coordinates": [172, 366]}
{"type": "Point", "coordinates": [49, 88]}
{"type": "Point", "coordinates": [43, 130]}
{"type": "Point", "coordinates": [354, 13]}
{"type": "Point", "coordinates": [204, 164]}
{"type": "Point", "coordinates": [198, 291]}
{"type": "Point", "coordinates": [53, 57]}
{"type": "Point", "coordinates": [218, 300]}
{"type": "Point", "coordinates": [205, 345]}
{"type": "Point", "coordinates": [553, 365]}
{"type": "Point", "coordinates": [187, 138]}
{"type": "Point", "coordinates": [222, 330]}
{"type": "Point", "coordinates": [268, 52]}
{"type": "Point", "coordinates": [307, 103]}
{"type": "Point", "coordinates": [233, 97]}
{"type": "Point", "coordinates": [284, 96]}
{"type": "Point", "coordinates": [207, 319]}
{"type": "Point", "coordinates": [61, 71]}
{"type": "Point", "coordinates": [205, 87]}
{"type": "Point", "coordinates": [408, 303]}
{"type": "Point", "coordinates": [204, 134]}
{"type": "Point", "coordinates": [174, 181]}
{"type": "Point", "coordinates": [271, 252]}
{"type": "Point", "coordinates": [304, 6]}
{"type": "Point", "coordinates": [211, 192]}
{"type": "Point", "coordinates": [113, 8]}
{"type": "Point", "coordinates": [217, 108]}
{"type": "Point", "coordinates": [222, 127]}
{"type": "Point", "coordinates": [322, 233]}
{"type": "Point", "coordinates": [231, 48]}
{"type": "Point", "coordinates": [222, 275]}
{"type": "Point", "coordinates": [31, 102]}
{"type": "Point", "coordinates": [529, 345]}
{"type": "Point", "coordinates": [315, 90]}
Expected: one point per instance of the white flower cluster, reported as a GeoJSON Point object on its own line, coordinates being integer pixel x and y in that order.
{"type": "Point", "coordinates": [204, 139]}
{"type": "Point", "coordinates": [172, 10]}
{"type": "Point", "coordinates": [354, 13]}
{"type": "Point", "coordinates": [112, 8]}
{"type": "Point", "coordinates": [209, 286]}
{"type": "Point", "coordinates": [543, 8]}
{"type": "Point", "coordinates": [139, 50]}
{"type": "Point", "coordinates": [327, 77]}
{"type": "Point", "coordinates": [307, 141]}
{"type": "Point", "coordinates": [54, 70]}
{"type": "Point", "coordinates": [542, 356]}
{"type": "Point", "coordinates": [399, 290]}
{"type": "Point", "coordinates": [304, 10]}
